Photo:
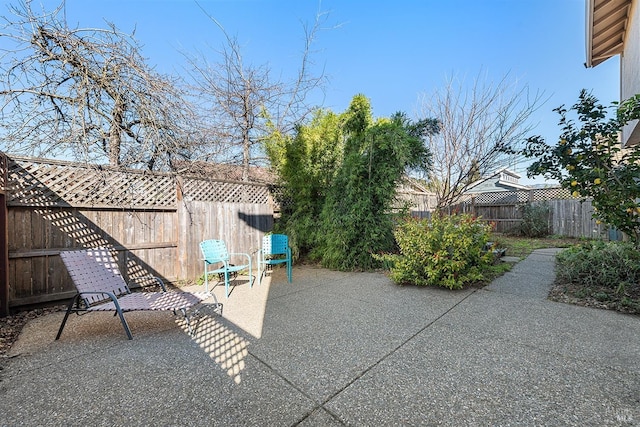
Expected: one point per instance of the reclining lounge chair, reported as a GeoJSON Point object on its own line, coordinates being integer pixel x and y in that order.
{"type": "Point", "coordinates": [101, 287]}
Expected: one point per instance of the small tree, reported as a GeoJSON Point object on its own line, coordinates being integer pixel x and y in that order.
{"type": "Point", "coordinates": [87, 92]}
{"type": "Point", "coordinates": [245, 103]}
{"type": "Point", "coordinates": [588, 160]}
{"type": "Point", "coordinates": [340, 174]}
{"type": "Point", "coordinates": [306, 165]}
{"type": "Point", "coordinates": [476, 125]}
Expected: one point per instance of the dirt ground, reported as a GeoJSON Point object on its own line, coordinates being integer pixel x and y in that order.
{"type": "Point", "coordinates": [604, 298]}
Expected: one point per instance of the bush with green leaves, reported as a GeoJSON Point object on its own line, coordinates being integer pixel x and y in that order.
{"type": "Point", "coordinates": [589, 161]}
{"type": "Point", "coordinates": [446, 251]}
{"type": "Point", "coordinates": [535, 220]}
{"type": "Point", "coordinates": [357, 218]}
{"type": "Point", "coordinates": [340, 174]}
{"type": "Point", "coordinates": [613, 265]}
{"type": "Point", "coordinates": [306, 165]}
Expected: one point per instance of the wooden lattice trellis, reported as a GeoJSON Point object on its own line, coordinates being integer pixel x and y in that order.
{"type": "Point", "coordinates": [517, 197]}
{"type": "Point", "coordinates": [3, 172]}
{"type": "Point", "coordinates": [33, 182]}
{"type": "Point", "coordinates": [224, 191]}
{"type": "Point", "coordinates": [40, 182]}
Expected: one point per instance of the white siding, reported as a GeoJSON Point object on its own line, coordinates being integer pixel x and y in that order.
{"type": "Point", "coordinates": [630, 70]}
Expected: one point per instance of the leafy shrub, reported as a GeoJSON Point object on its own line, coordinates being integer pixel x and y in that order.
{"type": "Point", "coordinates": [447, 251]}
{"type": "Point", "coordinates": [599, 264]}
{"type": "Point", "coordinates": [339, 175]}
{"type": "Point", "coordinates": [589, 160]}
{"type": "Point", "coordinates": [535, 220]}
{"type": "Point", "coordinates": [357, 218]}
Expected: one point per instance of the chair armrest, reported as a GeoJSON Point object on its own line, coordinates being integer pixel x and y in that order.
{"type": "Point", "coordinates": [161, 283]}
{"type": "Point", "coordinates": [242, 253]}
{"type": "Point", "coordinates": [111, 295]}
{"type": "Point", "coordinates": [155, 278]}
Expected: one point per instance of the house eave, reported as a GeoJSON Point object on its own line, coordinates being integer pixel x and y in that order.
{"type": "Point", "coordinates": [606, 26]}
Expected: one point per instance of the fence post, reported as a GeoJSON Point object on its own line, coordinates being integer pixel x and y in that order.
{"type": "Point", "coordinates": [4, 239]}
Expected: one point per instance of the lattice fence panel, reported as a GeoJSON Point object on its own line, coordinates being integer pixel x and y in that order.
{"type": "Point", "coordinates": [32, 182]}
{"type": "Point", "coordinates": [502, 198]}
{"type": "Point", "coordinates": [224, 191]}
{"type": "Point", "coordinates": [516, 197]}
{"type": "Point", "coordinates": [3, 172]}
{"type": "Point", "coordinates": [280, 201]}
{"type": "Point", "coordinates": [555, 193]}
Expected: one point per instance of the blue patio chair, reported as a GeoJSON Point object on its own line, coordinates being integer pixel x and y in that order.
{"type": "Point", "coordinates": [275, 250]}
{"type": "Point", "coordinates": [215, 254]}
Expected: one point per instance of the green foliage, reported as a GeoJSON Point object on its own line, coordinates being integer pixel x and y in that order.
{"type": "Point", "coordinates": [535, 220]}
{"type": "Point", "coordinates": [340, 174]}
{"type": "Point", "coordinates": [589, 160]}
{"type": "Point", "coordinates": [599, 264]}
{"type": "Point", "coordinates": [306, 166]}
{"type": "Point", "coordinates": [356, 219]}
{"type": "Point", "coordinates": [446, 251]}
{"type": "Point", "coordinates": [523, 246]}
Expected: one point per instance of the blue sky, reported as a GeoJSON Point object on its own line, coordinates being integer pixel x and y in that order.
{"type": "Point", "coordinates": [390, 51]}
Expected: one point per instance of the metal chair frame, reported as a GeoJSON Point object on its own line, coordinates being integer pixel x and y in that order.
{"type": "Point", "coordinates": [214, 253]}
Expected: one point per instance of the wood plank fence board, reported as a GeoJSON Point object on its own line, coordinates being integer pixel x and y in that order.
{"type": "Point", "coordinates": [568, 217]}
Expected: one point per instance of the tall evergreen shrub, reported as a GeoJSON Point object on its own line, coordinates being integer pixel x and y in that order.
{"type": "Point", "coordinates": [356, 219]}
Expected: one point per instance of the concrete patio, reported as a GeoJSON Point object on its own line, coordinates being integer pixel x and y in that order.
{"type": "Point", "coordinates": [335, 348]}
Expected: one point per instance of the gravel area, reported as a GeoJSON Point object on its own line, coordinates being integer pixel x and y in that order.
{"type": "Point", "coordinates": [11, 326]}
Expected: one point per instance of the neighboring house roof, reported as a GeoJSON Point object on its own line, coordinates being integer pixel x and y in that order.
{"type": "Point", "coordinates": [225, 172]}
{"type": "Point", "coordinates": [408, 184]}
{"type": "Point", "coordinates": [607, 23]}
{"type": "Point", "coordinates": [501, 180]}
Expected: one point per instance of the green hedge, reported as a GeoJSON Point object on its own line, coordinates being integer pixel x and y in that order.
{"type": "Point", "coordinates": [445, 251]}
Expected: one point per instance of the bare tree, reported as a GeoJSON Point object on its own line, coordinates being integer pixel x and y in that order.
{"type": "Point", "coordinates": [87, 93]}
{"type": "Point", "coordinates": [476, 125]}
{"type": "Point", "coordinates": [246, 103]}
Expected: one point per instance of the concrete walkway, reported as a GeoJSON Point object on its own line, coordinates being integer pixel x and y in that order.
{"type": "Point", "coordinates": [335, 349]}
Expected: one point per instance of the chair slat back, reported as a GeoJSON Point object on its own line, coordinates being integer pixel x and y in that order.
{"type": "Point", "coordinates": [275, 244]}
{"type": "Point", "coordinates": [214, 251]}
{"type": "Point", "coordinates": [94, 270]}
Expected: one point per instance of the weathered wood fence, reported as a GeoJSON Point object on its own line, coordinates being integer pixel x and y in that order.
{"type": "Point", "coordinates": [152, 221]}
{"type": "Point", "coordinates": [567, 216]}
{"type": "Point", "coordinates": [420, 204]}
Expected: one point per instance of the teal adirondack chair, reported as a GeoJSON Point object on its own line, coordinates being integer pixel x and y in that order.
{"type": "Point", "coordinates": [215, 255]}
{"type": "Point", "coordinates": [275, 250]}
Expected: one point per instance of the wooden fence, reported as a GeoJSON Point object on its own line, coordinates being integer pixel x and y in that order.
{"type": "Point", "coordinates": [567, 216]}
{"type": "Point", "coordinates": [152, 221]}
{"type": "Point", "coordinates": [420, 204]}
